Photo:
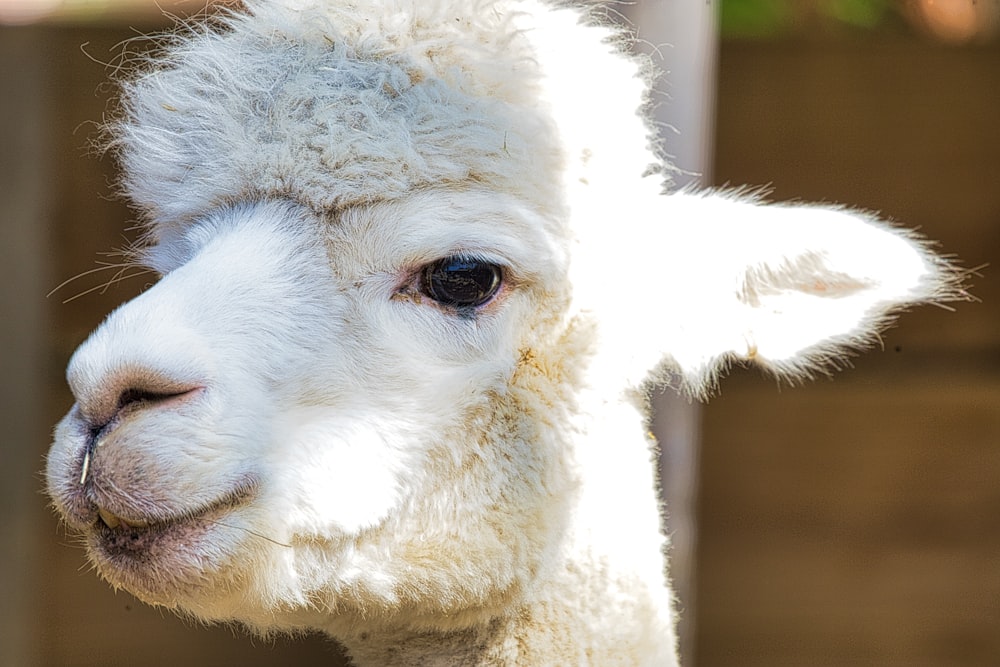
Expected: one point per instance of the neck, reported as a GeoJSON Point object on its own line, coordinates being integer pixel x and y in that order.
{"type": "Point", "coordinates": [599, 599]}
{"type": "Point", "coordinates": [588, 617]}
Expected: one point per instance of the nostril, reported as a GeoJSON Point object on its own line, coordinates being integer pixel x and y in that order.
{"type": "Point", "coordinates": [108, 398]}
{"type": "Point", "coordinates": [134, 397]}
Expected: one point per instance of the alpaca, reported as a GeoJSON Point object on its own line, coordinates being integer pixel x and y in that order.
{"type": "Point", "coordinates": [420, 264]}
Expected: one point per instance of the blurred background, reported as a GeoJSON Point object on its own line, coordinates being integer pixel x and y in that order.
{"type": "Point", "coordinates": [845, 522]}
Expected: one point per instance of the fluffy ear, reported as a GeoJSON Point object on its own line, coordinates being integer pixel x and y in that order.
{"type": "Point", "coordinates": [790, 287]}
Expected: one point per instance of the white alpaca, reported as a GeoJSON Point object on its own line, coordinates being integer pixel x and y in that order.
{"type": "Point", "coordinates": [417, 271]}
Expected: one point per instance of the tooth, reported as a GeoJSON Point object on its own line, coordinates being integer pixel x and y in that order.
{"type": "Point", "coordinates": [109, 519]}
{"type": "Point", "coordinates": [112, 520]}
{"type": "Point", "coordinates": [86, 467]}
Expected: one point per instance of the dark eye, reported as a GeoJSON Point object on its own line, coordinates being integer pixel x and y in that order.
{"type": "Point", "coordinates": [461, 282]}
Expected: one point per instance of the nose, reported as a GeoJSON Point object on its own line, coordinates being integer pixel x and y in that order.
{"type": "Point", "coordinates": [133, 361]}
{"type": "Point", "coordinates": [104, 398]}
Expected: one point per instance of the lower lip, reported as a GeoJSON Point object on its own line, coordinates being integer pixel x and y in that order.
{"type": "Point", "coordinates": [158, 539]}
{"type": "Point", "coordinates": [163, 560]}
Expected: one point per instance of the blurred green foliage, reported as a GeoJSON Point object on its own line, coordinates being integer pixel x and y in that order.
{"type": "Point", "coordinates": [771, 18]}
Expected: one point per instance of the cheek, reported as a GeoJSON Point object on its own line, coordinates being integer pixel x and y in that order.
{"type": "Point", "coordinates": [337, 476]}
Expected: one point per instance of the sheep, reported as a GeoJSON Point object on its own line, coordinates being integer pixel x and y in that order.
{"type": "Point", "coordinates": [421, 262]}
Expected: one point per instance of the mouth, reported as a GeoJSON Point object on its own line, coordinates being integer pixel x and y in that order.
{"type": "Point", "coordinates": [130, 551]}
{"type": "Point", "coordinates": [153, 555]}
{"type": "Point", "coordinates": [133, 537]}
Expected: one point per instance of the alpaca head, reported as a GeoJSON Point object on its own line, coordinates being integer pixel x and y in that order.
{"type": "Point", "coordinates": [305, 404]}
{"type": "Point", "coordinates": [410, 254]}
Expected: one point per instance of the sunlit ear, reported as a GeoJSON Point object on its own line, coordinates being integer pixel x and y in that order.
{"type": "Point", "coordinates": [790, 287]}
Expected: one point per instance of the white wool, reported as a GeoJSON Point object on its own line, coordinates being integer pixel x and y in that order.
{"type": "Point", "coordinates": [290, 430]}
{"type": "Point", "coordinates": [337, 104]}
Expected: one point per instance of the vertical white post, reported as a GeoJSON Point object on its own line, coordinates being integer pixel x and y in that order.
{"type": "Point", "coordinates": [682, 37]}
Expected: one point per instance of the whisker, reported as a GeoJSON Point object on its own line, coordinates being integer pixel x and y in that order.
{"type": "Point", "coordinates": [118, 277]}
{"type": "Point", "coordinates": [104, 286]}
{"type": "Point", "coordinates": [105, 266]}
{"type": "Point", "coordinates": [251, 532]}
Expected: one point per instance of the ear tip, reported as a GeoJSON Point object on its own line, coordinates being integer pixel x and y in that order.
{"type": "Point", "coordinates": [946, 279]}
